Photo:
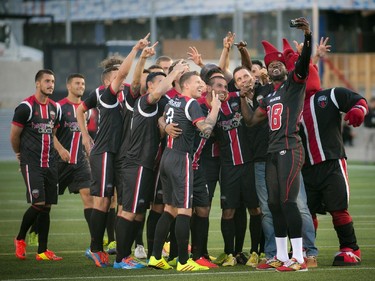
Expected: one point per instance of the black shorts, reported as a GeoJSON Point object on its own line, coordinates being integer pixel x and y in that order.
{"type": "Point", "coordinates": [102, 174]}
{"type": "Point", "coordinates": [139, 182]}
{"type": "Point", "coordinates": [211, 167]}
{"type": "Point", "coordinates": [41, 184]}
{"type": "Point", "coordinates": [237, 186]}
{"type": "Point", "coordinates": [327, 186]}
{"type": "Point", "coordinates": [119, 180]}
{"type": "Point", "coordinates": [200, 189]}
{"type": "Point", "coordinates": [157, 194]}
{"type": "Point", "coordinates": [74, 176]}
{"type": "Point", "coordinates": [176, 175]}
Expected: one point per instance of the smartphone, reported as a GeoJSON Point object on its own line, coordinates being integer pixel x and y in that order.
{"type": "Point", "coordinates": [293, 23]}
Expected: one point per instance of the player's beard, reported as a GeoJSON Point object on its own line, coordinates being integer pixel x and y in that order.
{"type": "Point", "coordinates": [45, 93]}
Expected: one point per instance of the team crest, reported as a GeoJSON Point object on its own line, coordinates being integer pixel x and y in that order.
{"type": "Point", "coordinates": [235, 106]}
{"type": "Point", "coordinates": [322, 101]}
{"type": "Point", "coordinates": [35, 193]}
{"type": "Point", "coordinates": [52, 114]}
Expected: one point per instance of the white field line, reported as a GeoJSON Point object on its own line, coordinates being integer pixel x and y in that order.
{"type": "Point", "coordinates": [176, 275]}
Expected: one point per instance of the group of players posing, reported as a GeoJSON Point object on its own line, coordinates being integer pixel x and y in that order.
{"type": "Point", "coordinates": [159, 147]}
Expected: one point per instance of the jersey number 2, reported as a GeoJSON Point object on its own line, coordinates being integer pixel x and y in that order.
{"type": "Point", "coordinates": [274, 116]}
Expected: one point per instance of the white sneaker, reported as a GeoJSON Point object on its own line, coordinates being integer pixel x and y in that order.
{"type": "Point", "coordinates": [140, 252]}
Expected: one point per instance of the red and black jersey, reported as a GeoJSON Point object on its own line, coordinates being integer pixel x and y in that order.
{"type": "Point", "coordinates": [110, 118]}
{"type": "Point", "coordinates": [231, 132]}
{"type": "Point", "coordinates": [284, 107]}
{"type": "Point", "coordinates": [204, 146]}
{"type": "Point", "coordinates": [321, 124]}
{"type": "Point", "coordinates": [68, 133]}
{"type": "Point", "coordinates": [145, 135]}
{"type": "Point", "coordinates": [38, 121]}
{"type": "Point", "coordinates": [186, 112]}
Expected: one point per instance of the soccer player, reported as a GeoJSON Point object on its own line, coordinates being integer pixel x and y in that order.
{"type": "Point", "coordinates": [164, 62]}
{"type": "Point", "coordinates": [139, 165]}
{"type": "Point", "coordinates": [73, 167]}
{"type": "Point", "coordinates": [103, 152]}
{"type": "Point", "coordinates": [177, 182]}
{"type": "Point", "coordinates": [34, 124]}
{"type": "Point", "coordinates": [325, 170]}
{"type": "Point", "coordinates": [283, 107]}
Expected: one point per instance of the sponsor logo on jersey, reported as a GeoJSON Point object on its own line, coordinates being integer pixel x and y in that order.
{"type": "Point", "coordinates": [235, 106]}
{"type": "Point", "coordinates": [52, 114]}
{"type": "Point", "coordinates": [231, 123]}
{"type": "Point", "coordinates": [35, 193]}
{"type": "Point", "coordinates": [322, 101]}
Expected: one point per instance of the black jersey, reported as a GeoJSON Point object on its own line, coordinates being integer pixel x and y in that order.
{"type": "Point", "coordinates": [68, 133]}
{"type": "Point", "coordinates": [231, 132]}
{"type": "Point", "coordinates": [186, 112]}
{"type": "Point", "coordinates": [145, 135]}
{"type": "Point", "coordinates": [322, 133]}
{"type": "Point", "coordinates": [127, 99]}
{"type": "Point", "coordinates": [110, 118]}
{"type": "Point", "coordinates": [284, 107]}
{"type": "Point", "coordinates": [38, 121]}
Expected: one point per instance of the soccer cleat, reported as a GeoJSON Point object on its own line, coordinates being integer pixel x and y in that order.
{"type": "Point", "coordinates": [220, 259]}
{"type": "Point", "coordinates": [99, 258]}
{"type": "Point", "coordinates": [88, 254]}
{"type": "Point", "coordinates": [253, 260]}
{"type": "Point", "coordinates": [140, 261]}
{"type": "Point", "coordinates": [230, 261]}
{"type": "Point", "coordinates": [173, 262]}
{"type": "Point", "coordinates": [166, 248]}
{"type": "Point", "coordinates": [158, 264]}
{"type": "Point", "coordinates": [270, 264]}
{"type": "Point", "coordinates": [20, 249]}
{"type": "Point", "coordinates": [47, 256]}
{"type": "Point", "coordinates": [347, 257]}
{"type": "Point", "coordinates": [128, 263]}
{"type": "Point", "coordinates": [292, 265]}
{"type": "Point", "coordinates": [241, 258]}
{"type": "Point", "coordinates": [140, 252]}
{"type": "Point", "coordinates": [205, 262]}
{"type": "Point", "coordinates": [111, 249]}
{"type": "Point", "coordinates": [190, 265]}
{"type": "Point", "coordinates": [33, 239]}
{"type": "Point", "coordinates": [311, 262]}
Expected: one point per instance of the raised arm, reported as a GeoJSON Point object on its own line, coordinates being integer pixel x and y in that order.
{"type": "Point", "coordinates": [127, 63]}
{"type": "Point", "coordinates": [228, 42]}
{"type": "Point", "coordinates": [321, 50]}
{"type": "Point", "coordinates": [245, 55]}
{"type": "Point", "coordinates": [302, 65]}
{"type": "Point", "coordinates": [166, 84]}
{"type": "Point", "coordinates": [206, 126]}
{"type": "Point", "coordinates": [136, 83]}
{"type": "Point", "coordinates": [195, 56]}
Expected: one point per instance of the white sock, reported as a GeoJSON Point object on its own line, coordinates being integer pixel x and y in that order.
{"type": "Point", "coordinates": [297, 249]}
{"type": "Point", "coordinates": [282, 248]}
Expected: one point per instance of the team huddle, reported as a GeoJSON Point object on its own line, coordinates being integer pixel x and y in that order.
{"type": "Point", "coordinates": [270, 135]}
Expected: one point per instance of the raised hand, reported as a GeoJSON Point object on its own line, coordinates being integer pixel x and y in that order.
{"type": "Point", "coordinates": [228, 40]}
{"type": "Point", "coordinates": [322, 48]}
{"type": "Point", "coordinates": [303, 24]}
{"type": "Point", "coordinates": [195, 56]}
{"type": "Point", "coordinates": [143, 43]}
{"type": "Point", "coordinates": [149, 51]}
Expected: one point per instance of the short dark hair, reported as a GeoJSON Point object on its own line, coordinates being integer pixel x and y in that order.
{"type": "Point", "coordinates": [152, 76]}
{"type": "Point", "coordinates": [258, 62]}
{"type": "Point", "coordinates": [186, 76]}
{"type": "Point", "coordinates": [74, 75]}
{"type": "Point", "coordinates": [238, 68]}
{"type": "Point", "coordinates": [211, 72]}
{"type": "Point", "coordinates": [211, 81]}
{"type": "Point", "coordinates": [162, 58]}
{"type": "Point", "coordinates": [155, 66]}
{"type": "Point", "coordinates": [208, 68]}
{"type": "Point", "coordinates": [41, 72]}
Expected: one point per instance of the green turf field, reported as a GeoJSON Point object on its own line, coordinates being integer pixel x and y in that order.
{"type": "Point", "coordinates": [69, 238]}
